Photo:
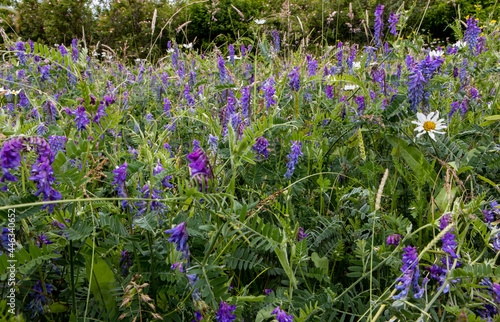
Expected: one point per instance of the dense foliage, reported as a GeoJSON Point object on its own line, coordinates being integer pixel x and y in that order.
{"type": "Point", "coordinates": [256, 183]}
{"type": "Point", "coordinates": [140, 29]}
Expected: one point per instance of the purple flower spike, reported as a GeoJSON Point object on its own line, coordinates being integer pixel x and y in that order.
{"type": "Point", "coordinates": [10, 158]}
{"type": "Point", "coordinates": [393, 21]}
{"type": "Point", "coordinates": [224, 314]}
{"type": "Point", "coordinates": [293, 158]}
{"type": "Point", "coordinates": [281, 315]}
{"type": "Point", "coordinates": [300, 234]}
{"type": "Point", "coordinates": [294, 79]}
{"type": "Point", "coordinates": [379, 24]}
{"type": "Point", "coordinates": [81, 118]}
{"type": "Point", "coordinates": [268, 291]}
{"type": "Point", "coordinates": [261, 147]}
{"type": "Point", "coordinates": [179, 236]}
{"type": "Point", "coordinates": [201, 170]}
{"type": "Point", "coordinates": [411, 273]}
{"type": "Point", "coordinates": [393, 239]}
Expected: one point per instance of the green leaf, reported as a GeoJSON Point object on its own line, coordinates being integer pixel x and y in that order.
{"type": "Point", "coordinates": [320, 262]}
{"type": "Point", "coordinates": [102, 282]}
{"type": "Point", "coordinates": [414, 158]}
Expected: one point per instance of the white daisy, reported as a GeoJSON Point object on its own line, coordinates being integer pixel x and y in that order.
{"type": "Point", "coordinates": [356, 65]}
{"type": "Point", "coordinates": [350, 87]}
{"type": "Point", "coordinates": [188, 46]}
{"type": "Point", "coordinates": [436, 53]}
{"type": "Point", "coordinates": [260, 21]}
{"type": "Point", "coordinates": [430, 124]}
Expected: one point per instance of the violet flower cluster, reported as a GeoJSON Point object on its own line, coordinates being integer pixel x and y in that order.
{"type": "Point", "coordinates": [281, 315]}
{"type": "Point", "coordinates": [293, 158]}
{"type": "Point", "coordinates": [379, 24]}
{"type": "Point", "coordinates": [411, 274]}
{"type": "Point", "coordinates": [201, 170]}
{"type": "Point", "coordinates": [225, 312]}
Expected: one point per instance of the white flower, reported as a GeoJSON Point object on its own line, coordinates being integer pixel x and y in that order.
{"type": "Point", "coordinates": [460, 44]}
{"type": "Point", "coordinates": [171, 50]}
{"type": "Point", "coordinates": [260, 21]}
{"type": "Point", "coordinates": [235, 57]}
{"type": "Point", "coordinates": [350, 87]}
{"type": "Point", "coordinates": [436, 53]}
{"type": "Point", "coordinates": [188, 46]}
{"type": "Point", "coordinates": [356, 65]}
{"type": "Point", "coordinates": [430, 124]}
{"type": "Point", "coordinates": [15, 92]}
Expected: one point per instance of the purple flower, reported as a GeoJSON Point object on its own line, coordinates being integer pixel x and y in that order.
{"type": "Point", "coordinates": [42, 239]}
{"type": "Point", "coordinates": [493, 214]}
{"type": "Point", "coordinates": [393, 239]}
{"type": "Point", "coordinates": [393, 21]}
{"type": "Point", "coordinates": [281, 316]}
{"type": "Point", "coordinates": [198, 316]}
{"type": "Point", "coordinates": [294, 76]}
{"type": "Point", "coordinates": [44, 73]}
{"type": "Point", "coordinates": [340, 54]}
{"type": "Point", "coordinates": [21, 52]}
{"type": "Point", "coordinates": [269, 91]}
{"type": "Point", "coordinates": [276, 40]}
{"type": "Point", "coordinates": [231, 53]}
{"type": "Point", "coordinates": [224, 313]}
{"type": "Point", "coordinates": [119, 180]}
{"type": "Point", "coordinates": [300, 234]}
{"type": "Point", "coordinates": [179, 236]}
{"type": "Point", "coordinates": [268, 291]}
{"type": "Point", "coordinates": [10, 157]}
{"type": "Point", "coordinates": [196, 145]}
{"type": "Point", "coordinates": [352, 56]}
{"type": "Point", "coordinates": [212, 142]}
{"type": "Point", "coordinates": [188, 96]}
{"type": "Point", "coordinates": [245, 102]}
{"type": "Point", "coordinates": [39, 298]}
{"type": "Point", "coordinates": [329, 91]}
{"type": "Point", "coordinates": [312, 65]}
{"type": "Point", "coordinates": [360, 100]}
{"type": "Point", "coordinates": [471, 34]}
{"type": "Point", "coordinates": [261, 147]}
{"type": "Point", "coordinates": [81, 118]}
{"type": "Point", "coordinates": [177, 266]}
{"type": "Point", "coordinates": [293, 158]}
{"type": "Point", "coordinates": [63, 50]}
{"type": "Point", "coordinates": [379, 24]}
{"type": "Point", "coordinates": [416, 89]}
{"type": "Point", "coordinates": [101, 111]}
{"type": "Point", "coordinates": [74, 49]}
{"type": "Point", "coordinates": [125, 262]}
{"type": "Point", "coordinates": [199, 163]}
{"type": "Point", "coordinates": [165, 181]}
{"type": "Point", "coordinates": [411, 273]}
{"type": "Point", "coordinates": [222, 70]}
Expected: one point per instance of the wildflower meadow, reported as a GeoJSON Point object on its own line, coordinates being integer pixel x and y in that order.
{"type": "Point", "coordinates": [253, 181]}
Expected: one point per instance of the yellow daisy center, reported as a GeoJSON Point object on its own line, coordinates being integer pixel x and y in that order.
{"type": "Point", "coordinates": [429, 126]}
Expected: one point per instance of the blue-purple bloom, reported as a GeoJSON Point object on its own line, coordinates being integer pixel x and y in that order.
{"type": "Point", "coordinates": [393, 21]}
{"type": "Point", "coordinates": [21, 52]}
{"type": "Point", "coordinates": [225, 313]}
{"type": "Point", "coordinates": [74, 49]}
{"type": "Point", "coordinates": [294, 76]}
{"type": "Point", "coordinates": [471, 34]}
{"type": "Point", "coordinates": [245, 102]}
{"type": "Point", "coordinates": [269, 91]}
{"type": "Point", "coordinates": [222, 70]}
{"type": "Point", "coordinates": [268, 291]}
{"type": "Point", "coordinates": [231, 53]}
{"type": "Point", "coordinates": [300, 234]}
{"type": "Point", "coordinates": [416, 89]}
{"type": "Point", "coordinates": [276, 41]}
{"type": "Point", "coordinates": [393, 239]}
{"type": "Point", "coordinates": [293, 158]}
{"type": "Point", "coordinates": [125, 262]}
{"type": "Point", "coordinates": [81, 118]}
{"type": "Point", "coordinates": [493, 214]}
{"type": "Point", "coordinates": [201, 170]}
{"type": "Point", "coordinates": [39, 299]}
{"type": "Point", "coordinates": [312, 65]}
{"type": "Point", "coordinates": [261, 147]}
{"type": "Point", "coordinates": [119, 180]}
{"type": "Point", "coordinates": [179, 236]}
{"type": "Point", "coordinates": [379, 24]}
{"type": "Point", "coordinates": [281, 315]}
{"type": "Point", "coordinates": [411, 273]}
